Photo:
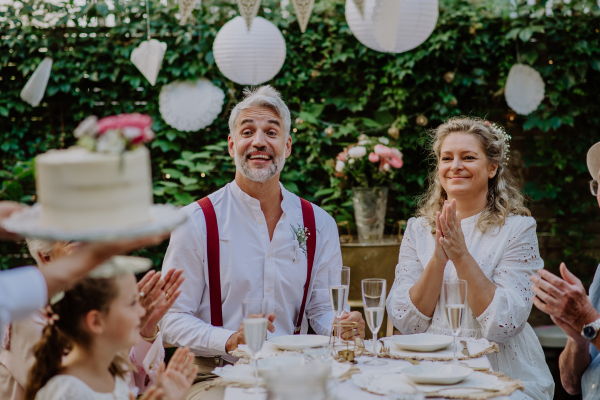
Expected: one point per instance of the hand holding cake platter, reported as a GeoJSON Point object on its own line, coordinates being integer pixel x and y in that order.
{"type": "Point", "coordinates": [99, 190]}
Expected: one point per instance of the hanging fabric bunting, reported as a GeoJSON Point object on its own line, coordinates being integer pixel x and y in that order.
{"type": "Point", "coordinates": [386, 16]}
{"type": "Point", "coordinates": [148, 56]}
{"type": "Point", "coordinates": [303, 10]}
{"type": "Point", "coordinates": [185, 10]}
{"type": "Point", "coordinates": [360, 6]}
{"type": "Point", "coordinates": [248, 9]}
{"type": "Point", "coordinates": [34, 89]}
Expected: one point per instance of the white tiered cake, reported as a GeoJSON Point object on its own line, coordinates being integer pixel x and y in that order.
{"type": "Point", "coordinates": [78, 189]}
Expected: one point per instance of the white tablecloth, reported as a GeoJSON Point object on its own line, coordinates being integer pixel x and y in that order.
{"type": "Point", "coordinates": [348, 390]}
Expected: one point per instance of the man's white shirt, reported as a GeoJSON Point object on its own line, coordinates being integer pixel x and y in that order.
{"type": "Point", "coordinates": [22, 292]}
{"type": "Point", "coordinates": [252, 266]}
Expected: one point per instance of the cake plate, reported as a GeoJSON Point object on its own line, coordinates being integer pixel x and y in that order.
{"type": "Point", "coordinates": [27, 223]}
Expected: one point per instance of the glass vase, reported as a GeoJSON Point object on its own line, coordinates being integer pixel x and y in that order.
{"type": "Point", "coordinates": [369, 212]}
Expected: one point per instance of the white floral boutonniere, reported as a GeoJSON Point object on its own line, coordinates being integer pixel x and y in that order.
{"type": "Point", "coordinates": [299, 237]}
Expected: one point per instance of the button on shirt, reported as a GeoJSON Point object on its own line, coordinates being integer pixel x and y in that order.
{"type": "Point", "coordinates": [22, 292]}
{"type": "Point", "coordinates": [252, 266]}
{"type": "Point", "coordinates": [591, 377]}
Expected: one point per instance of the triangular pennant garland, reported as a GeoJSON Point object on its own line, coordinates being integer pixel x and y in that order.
{"type": "Point", "coordinates": [34, 89]}
{"type": "Point", "coordinates": [185, 10]}
{"type": "Point", "coordinates": [248, 9]}
{"type": "Point", "coordinates": [148, 57]}
{"type": "Point", "coordinates": [386, 16]}
{"type": "Point", "coordinates": [303, 10]}
{"type": "Point", "coordinates": [360, 6]}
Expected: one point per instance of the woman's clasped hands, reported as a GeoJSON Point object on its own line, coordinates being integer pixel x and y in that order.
{"type": "Point", "coordinates": [450, 239]}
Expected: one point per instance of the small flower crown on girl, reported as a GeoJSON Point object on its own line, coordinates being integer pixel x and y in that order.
{"type": "Point", "coordinates": [500, 132]}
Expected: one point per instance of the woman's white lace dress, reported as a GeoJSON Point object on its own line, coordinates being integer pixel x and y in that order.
{"type": "Point", "coordinates": [68, 387]}
{"type": "Point", "coordinates": [507, 256]}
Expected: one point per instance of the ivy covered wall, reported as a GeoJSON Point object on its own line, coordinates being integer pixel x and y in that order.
{"type": "Point", "coordinates": [328, 80]}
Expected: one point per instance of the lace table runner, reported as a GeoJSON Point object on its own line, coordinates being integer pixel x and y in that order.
{"type": "Point", "coordinates": [384, 382]}
{"type": "Point", "coordinates": [476, 347]}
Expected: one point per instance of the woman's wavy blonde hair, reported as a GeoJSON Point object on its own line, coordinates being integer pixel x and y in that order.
{"type": "Point", "coordinates": [504, 197]}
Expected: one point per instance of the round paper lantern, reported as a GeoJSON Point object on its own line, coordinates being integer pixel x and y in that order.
{"type": "Point", "coordinates": [524, 90]}
{"type": "Point", "coordinates": [190, 106]}
{"type": "Point", "coordinates": [249, 57]}
{"type": "Point", "coordinates": [416, 20]}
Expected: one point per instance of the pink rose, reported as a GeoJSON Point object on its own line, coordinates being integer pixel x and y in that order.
{"type": "Point", "coordinates": [396, 162]}
{"type": "Point", "coordinates": [373, 157]}
{"type": "Point", "coordinates": [343, 156]}
{"type": "Point", "coordinates": [136, 120]}
{"type": "Point", "coordinates": [382, 150]}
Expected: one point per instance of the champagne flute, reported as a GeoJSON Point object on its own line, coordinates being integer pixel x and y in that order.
{"type": "Point", "coordinates": [455, 298]}
{"type": "Point", "coordinates": [339, 286]}
{"type": "Point", "coordinates": [255, 333]}
{"type": "Point", "coordinates": [373, 294]}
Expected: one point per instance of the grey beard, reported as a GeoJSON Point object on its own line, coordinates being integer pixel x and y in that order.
{"type": "Point", "coordinates": [260, 175]}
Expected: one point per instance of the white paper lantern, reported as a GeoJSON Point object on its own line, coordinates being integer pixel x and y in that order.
{"type": "Point", "coordinates": [190, 106]}
{"type": "Point", "coordinates": [148, 58]}
{"type": "Point", "coordinates": [34, 89]}
{"type": "Point", "coordinates": [249, 57]}
{"type": "Point", "coordinates": [416, 21]}
{"type": "Point", "coordinates": [524, 90]}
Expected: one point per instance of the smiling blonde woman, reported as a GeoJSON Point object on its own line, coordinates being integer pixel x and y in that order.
{"type": "Point", "coordinates": [472, 225]}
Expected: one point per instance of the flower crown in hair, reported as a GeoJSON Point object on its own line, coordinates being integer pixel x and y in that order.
{"type": "Point", "coordinates": [50, 316]}
{"type": "Point", "coordinates": [499, 131]}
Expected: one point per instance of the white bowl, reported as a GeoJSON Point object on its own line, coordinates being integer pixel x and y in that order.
{"type": "Point", "coordinates": [422, 342]}
{"type": "Point", "coordinates": [438, 374]}
{"type": "Point", "coordinates": [299, 342]}
{"type": "Point", "coordinates": [278, 363]}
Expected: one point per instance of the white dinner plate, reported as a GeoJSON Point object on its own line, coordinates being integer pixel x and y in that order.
{"type": "Point", "coordinates": [422, 342]}
{"type": "Point", "coordinates": [299, 342]}
{"type": "Point", "coordinates": [278, 363]}
{"type": "Point", "coordinates": [437, 374]}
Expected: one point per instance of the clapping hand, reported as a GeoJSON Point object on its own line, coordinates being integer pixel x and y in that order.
{"type": "Point", "coordinates": [157, 296]}
{"type": "Point", "coordinates": [565, 300]}
{"type": "Point", "coordinates": [178, 377]}
{"type": "Point", "coordinates": [453, 238]}
{"type": "Point", "coordinates": [174, 381]}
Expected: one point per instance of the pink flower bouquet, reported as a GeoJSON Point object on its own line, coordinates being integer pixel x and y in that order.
{"type": "Point", "coordinates": [368, 162]}
{"type": "Point", "coordinates": [114, 134]}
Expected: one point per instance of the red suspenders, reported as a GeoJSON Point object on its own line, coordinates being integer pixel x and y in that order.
{"type": "Point", "coordinates": [214, 264]}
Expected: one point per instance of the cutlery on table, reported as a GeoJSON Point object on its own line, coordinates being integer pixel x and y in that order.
{"type": "Point", "coordinates": [465, 349]}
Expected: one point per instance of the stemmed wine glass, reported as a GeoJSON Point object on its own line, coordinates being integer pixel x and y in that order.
{"type": "Point", "coordinates": [373, 294]}
{"type": "Point", "coordinates": [339, 286]}
{"type": "Point", "coordinates": [255, 333]}
{"type": "Point", "coordinates": [455, 298]}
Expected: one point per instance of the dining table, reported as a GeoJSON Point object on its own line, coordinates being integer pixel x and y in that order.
{"type": "Point", "coordinates": [348, 390]}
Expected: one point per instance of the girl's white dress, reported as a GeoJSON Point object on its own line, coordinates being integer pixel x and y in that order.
{"type": "Point", "coordinates": [68, 387]}
{"type": "Point", "coordinates": [507, 256]}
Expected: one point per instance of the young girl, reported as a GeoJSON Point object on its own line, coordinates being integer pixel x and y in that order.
{"type": "Point", "coordinates": [16, 356]}
{"type": "Point", "coordinates": [95, 321]}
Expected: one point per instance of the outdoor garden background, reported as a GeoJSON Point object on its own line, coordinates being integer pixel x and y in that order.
{"type": "Point", "coordinates": [329, 79]}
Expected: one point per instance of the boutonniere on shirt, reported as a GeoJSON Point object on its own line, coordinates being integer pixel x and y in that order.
{"type": "Point", "coordinates": [299, 236]}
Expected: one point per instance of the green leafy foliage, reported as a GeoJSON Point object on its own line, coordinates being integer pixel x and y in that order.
{"type": "Point", "coordinates": [329, 80]}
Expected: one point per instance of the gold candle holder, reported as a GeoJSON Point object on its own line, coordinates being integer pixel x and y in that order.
{"type": "Point", "coordinates": [351, 331]}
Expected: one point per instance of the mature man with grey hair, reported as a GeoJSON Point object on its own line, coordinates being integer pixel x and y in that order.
{"type": "Point", "coordinates": [244, 242]}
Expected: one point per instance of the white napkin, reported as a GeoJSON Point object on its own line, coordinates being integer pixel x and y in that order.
{"type": "Point", "coordinates": [233, 393]}
{"type": "Point", "coordinates": [244, 373]}
{"type": "Point", "coordinates": [268, 350]}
